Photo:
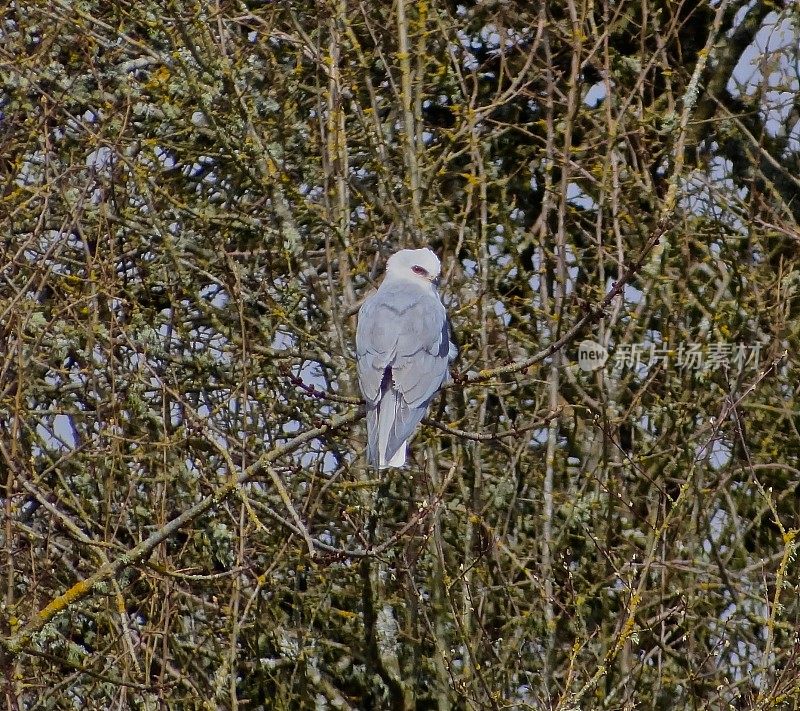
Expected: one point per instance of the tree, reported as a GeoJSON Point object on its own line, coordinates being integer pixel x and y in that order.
{"type": "Point", "coordinates": [197, 198]}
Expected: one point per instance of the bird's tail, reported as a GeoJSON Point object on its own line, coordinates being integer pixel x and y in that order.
{"type": "Point", "coordinates": [388, 413]}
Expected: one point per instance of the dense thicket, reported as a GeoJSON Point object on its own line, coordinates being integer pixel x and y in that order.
{"type": "Point", "coordinates": [196, 196]}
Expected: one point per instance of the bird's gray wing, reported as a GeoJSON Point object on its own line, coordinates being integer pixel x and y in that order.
{"type": "Point", "coordinates": [420, 365]}
{"type": "Point", "coordinates": [423, 345]}
{"type": "Point", "coordinates": [375, 349]}
{"type": "Point", "coordinates": [375, 345]}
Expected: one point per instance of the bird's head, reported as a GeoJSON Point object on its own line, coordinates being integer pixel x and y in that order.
{"type": "Point", "coordinates": [420, 265]}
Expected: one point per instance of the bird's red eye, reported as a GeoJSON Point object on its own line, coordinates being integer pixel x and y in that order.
{"type": "Point", "coordinates": [417, 269]}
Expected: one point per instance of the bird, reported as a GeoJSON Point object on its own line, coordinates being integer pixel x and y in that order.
{"type": "Point", "coordinates": [403, 348]}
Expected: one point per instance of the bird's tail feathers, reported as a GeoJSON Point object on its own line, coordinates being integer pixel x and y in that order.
{"type": "Point", "coordinates": [389, 453]}
{"type": "Point", "coordinates": [373, 456]}
{"type": "Point", "coordinates": [399, 458]}
{"type": "Point", "coordinates": [389, 426]}
{"type": "Point", "coordinates": [404, 422]}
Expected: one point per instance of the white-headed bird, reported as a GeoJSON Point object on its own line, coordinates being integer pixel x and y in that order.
{"type": "Point", "coordinates": [403, 348]}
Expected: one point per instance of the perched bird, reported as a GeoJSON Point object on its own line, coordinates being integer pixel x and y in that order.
{"type": "Point", "coordinates": [403, 348]}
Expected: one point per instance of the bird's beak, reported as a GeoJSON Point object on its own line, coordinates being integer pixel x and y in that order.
{"type": "Point", "coordinates": [436, 281]}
